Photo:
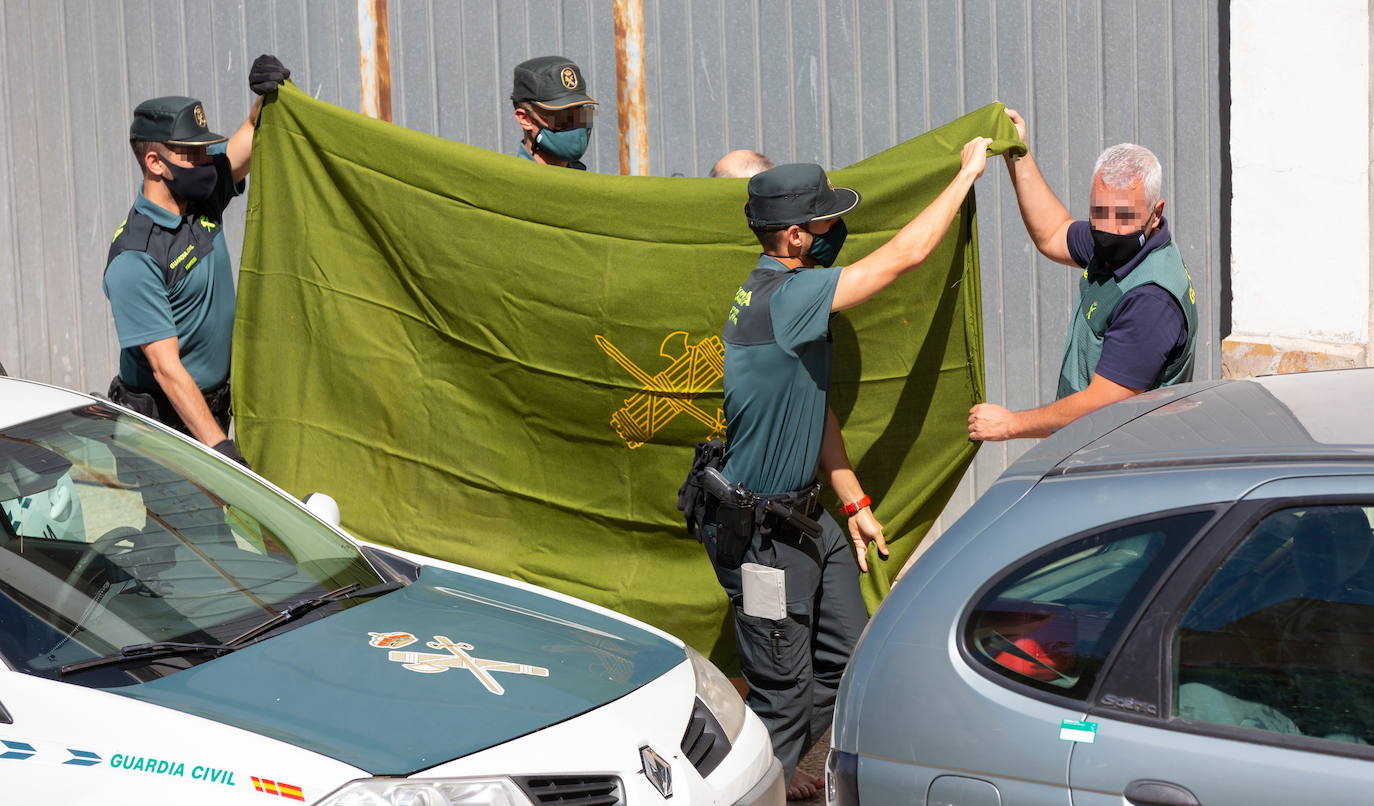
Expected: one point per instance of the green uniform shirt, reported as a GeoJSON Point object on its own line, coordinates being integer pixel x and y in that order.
{"type": "Point", "coordinates": [777, 375]}
{"type": "Point", "coordinates": [192, 298]}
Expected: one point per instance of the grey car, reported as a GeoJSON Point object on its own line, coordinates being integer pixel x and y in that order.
{"type": "Point", "coordinates": [1171, 601]}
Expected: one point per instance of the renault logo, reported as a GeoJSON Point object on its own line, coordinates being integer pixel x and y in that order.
{"type": "Point", "coordinates": [657, 771]}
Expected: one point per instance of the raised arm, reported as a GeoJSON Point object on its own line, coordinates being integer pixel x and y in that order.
{"type": "Point", "coordinates": [1047, 220]}
{"type": "Point", "coordinates": [865, 277]}
{"type": "Point", "coordinates": [266, 74]}
{"type": "Point", "coordinates": [239, 149]}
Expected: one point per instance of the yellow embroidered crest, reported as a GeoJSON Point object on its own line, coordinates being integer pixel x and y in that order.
{"type": "Point", "coordinates": [692, 371]}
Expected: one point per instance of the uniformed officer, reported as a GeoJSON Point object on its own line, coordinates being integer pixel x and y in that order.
{"type": "Point", "coordinates": [553, 110]}
{"type": "Point", "coordinates": [781, 431]}
{"type": "Point", "coordinates": [168, 275]}
{"type": "Point", "coordinates": [1135, 326]}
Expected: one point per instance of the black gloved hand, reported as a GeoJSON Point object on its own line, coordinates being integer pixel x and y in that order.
{"type": "Point", "coordinates": [266, 73]}
{"type": "Point", "coordinates": [229, 449]}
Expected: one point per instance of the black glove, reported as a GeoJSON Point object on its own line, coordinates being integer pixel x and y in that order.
{"type": "Point", "coordinates": [229, 449]}
{"type": "Point", "coordinates": [266, 73]}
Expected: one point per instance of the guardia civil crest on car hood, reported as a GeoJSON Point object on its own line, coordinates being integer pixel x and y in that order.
{"type": "Point", "coordinates": [442, 668]}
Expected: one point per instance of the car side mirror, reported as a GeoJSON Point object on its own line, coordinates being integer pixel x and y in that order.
{"type": "Point", "coordinates": [324, 507]}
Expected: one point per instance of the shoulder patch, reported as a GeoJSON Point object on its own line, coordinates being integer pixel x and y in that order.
{"type": "Point", "coordinates": [748, 322]}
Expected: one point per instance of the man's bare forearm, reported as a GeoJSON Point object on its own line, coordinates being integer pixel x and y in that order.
{"type": "Point", "coordinates": [835, 462]}
{"type": "Point", "coordinates": [988, 421]}
{"type": "Point", "coordinates": [1041, 211]}
{"type": "Point", "coordinates": [915, 241]}
{"type": "Point", "coordinates": [1047, 419]}
{"type": "Point", "coordinates": [239, 149]}
{"type": "Point", "coordinates": [186, 398]}
{"type": "Point", "coordinates": [164, 357]}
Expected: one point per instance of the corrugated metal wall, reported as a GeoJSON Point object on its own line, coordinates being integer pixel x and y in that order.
{"type": "Point", "coordinates": [830, 81]}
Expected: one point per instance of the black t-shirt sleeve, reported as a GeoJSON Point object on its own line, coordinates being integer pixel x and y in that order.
{"type": "Point", "coordinates": [1148, 330]}
{"type": "Point", "coordinates": [225, 187]}
{"type": "Point", "coordinates": [1080, 238]}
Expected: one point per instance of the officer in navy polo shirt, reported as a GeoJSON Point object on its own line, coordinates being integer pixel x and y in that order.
{"type": "Point", "coordinates": [1135, 323]}
{"type": "Point", "coordinates": [168, 275]}
{"type": "Point", "coordinates": [782, 432]}
{"type": "Point", "coordinates": [554, 111]}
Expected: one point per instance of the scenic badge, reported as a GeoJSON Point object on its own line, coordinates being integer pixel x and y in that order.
{"type": "Point", "coordinates": [455, 656]}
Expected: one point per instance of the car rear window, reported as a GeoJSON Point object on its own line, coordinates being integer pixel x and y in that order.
{"type": "Point", "coordinates": [1052, 620]}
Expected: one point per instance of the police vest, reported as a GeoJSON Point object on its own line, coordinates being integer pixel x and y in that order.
{"type": "Point", "coordinates": [1098, 296]}
{"type": "Point", "coordinates": [173, 251]}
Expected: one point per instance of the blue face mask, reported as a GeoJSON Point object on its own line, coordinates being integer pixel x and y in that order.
{"type": "Point", "coordinates": [567, 145]}
{"type": "Point", "coordinates": [825, 248]}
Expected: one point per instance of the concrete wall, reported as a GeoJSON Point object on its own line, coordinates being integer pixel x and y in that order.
{"type": "Point", "coordinates": [1300, 150]}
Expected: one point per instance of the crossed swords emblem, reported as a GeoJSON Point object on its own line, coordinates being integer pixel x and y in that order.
{"type": "Point", "coordinates": [455, 657]}
{"type": "Point", "coordinates": [693, 370]}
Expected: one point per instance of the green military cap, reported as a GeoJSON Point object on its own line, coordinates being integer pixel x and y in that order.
{"type": "Point", "coordinates": [550, 82]}
{"type": "Point", "coordinates": [795, 194]}
{"type": "Point", "coordinates": [173, 120]}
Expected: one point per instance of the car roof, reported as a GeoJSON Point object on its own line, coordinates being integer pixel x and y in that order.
{"type": "Point", "coordinates": [21, 400]}
{"type": "Point", "coordinates": [1299, 417]}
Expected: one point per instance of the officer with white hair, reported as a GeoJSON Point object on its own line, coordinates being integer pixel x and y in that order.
{"type": "Point", "coordinates": [1135, 323]}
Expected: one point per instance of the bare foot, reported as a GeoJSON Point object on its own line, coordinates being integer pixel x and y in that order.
{"type": "Point", "coordinates": [803, 785]}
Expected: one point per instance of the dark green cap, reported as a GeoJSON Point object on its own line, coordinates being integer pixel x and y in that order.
{"type": "Point", "coordinates": [550, 82]}
{"type": "Point", "coordinates": [174, 120]}
{"type": "Point", "coordinates": [795, 194]}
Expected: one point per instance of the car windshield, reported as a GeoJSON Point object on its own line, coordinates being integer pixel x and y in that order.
{"type": "Point", "coordinates": [114, 533]}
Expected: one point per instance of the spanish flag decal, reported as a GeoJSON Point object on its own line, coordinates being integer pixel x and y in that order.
{"type": "Point", "coordinates": [271, 787]}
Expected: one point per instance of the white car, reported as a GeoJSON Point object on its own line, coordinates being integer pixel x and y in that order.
{"type": "Point", "coordinates": [174, 629]}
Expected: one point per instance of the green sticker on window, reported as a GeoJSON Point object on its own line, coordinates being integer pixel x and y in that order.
{"type": "Point", "coordinates": [1071, 730]}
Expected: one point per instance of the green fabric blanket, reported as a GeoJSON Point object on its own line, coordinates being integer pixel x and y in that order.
{"type": "Point", "coordinates": [506, 365]}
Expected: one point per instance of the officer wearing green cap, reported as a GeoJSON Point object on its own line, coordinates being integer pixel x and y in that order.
{"type": "Point", "coordinates": [781, 431]}
{"type": "Point", "coordinates": [554, 111]}
{"type": "Point", "coordinates": [168, 275]}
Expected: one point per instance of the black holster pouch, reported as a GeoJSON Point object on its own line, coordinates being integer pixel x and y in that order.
{"type": "Point", "coordinates": [692, 500]}
{"type": "Point", "coordinates": [140, 402]}
{"type": "Point", "coordinates": [730, 523]}
{"type": "Point", "coordinates": [734, 526]}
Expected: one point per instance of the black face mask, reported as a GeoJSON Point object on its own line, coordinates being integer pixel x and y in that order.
{"type": "Point", "coordinates": [194, 184]}
{"type": "Point", "coordinates": [1111, 251]}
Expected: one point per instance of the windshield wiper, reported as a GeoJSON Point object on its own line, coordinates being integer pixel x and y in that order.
{"type": "Point", "coordinates": [295, 611]}
{"type": "Point", "coordinates": [149, 651]}
{"type": "Point", "coordinates": [168, 649]}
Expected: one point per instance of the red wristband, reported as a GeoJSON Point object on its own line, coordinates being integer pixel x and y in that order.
{"type": "Point", "coordinates": [853, 509]}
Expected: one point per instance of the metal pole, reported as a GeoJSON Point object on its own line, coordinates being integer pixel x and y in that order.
{"type": "Point", "coordinates": [374, 58]}
{"type": "Point", "coordinates": [629, 87]}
